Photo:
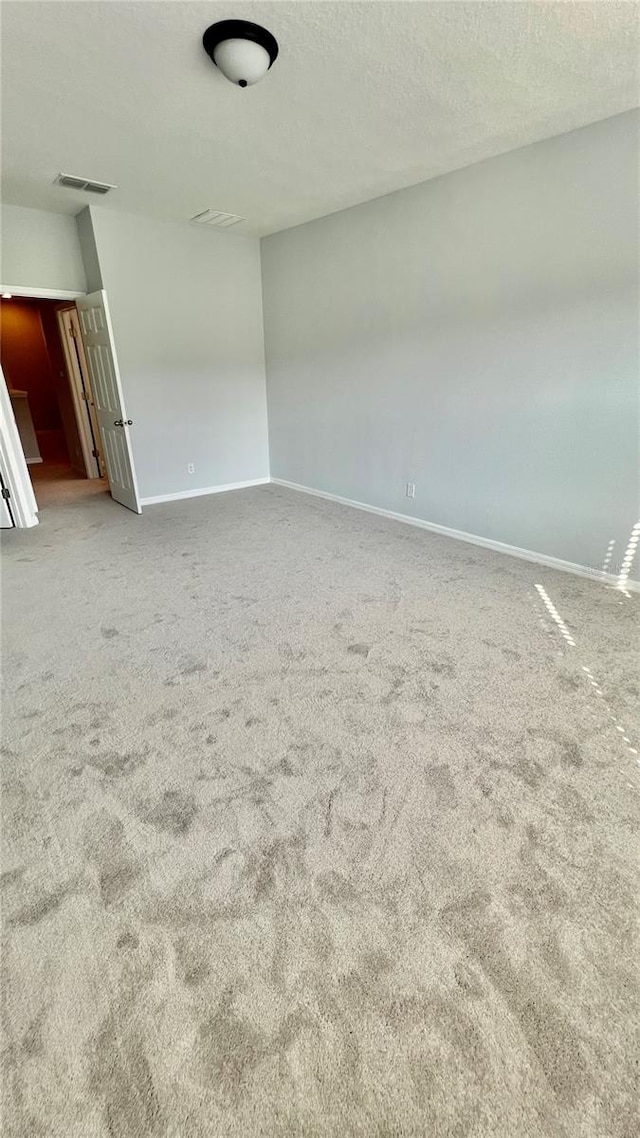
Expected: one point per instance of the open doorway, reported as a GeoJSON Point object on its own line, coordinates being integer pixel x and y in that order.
{"type": "Point", "coordinates": [64, 434]}
{"type": "Point", "coordinates": [50, 391]}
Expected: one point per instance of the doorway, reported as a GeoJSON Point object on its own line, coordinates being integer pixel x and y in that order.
{"type": "Point", "coordinates": [50, 392]}
{"type": "Point", "coordinates": [65, 433]}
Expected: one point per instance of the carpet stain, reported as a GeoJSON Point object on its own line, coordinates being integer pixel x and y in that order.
{"type": "Point", "coordinates": [328, 821]}
{"type": "Point", "coordinates": [11, 876]}
{"type": "Point", "coordinates": [127, 940]}
{"type": "Point", "coordinates": [229, 1048]}
{"type": "Point", "coordinates": [113, 765]}
{"type": "Point", "coordinates": [122, 1082]}
{"type": "Point", "coordinates": [32, 1042]}
{"type": "Point", "coordinates": [439, 783]}
{"type": "Point", "coordinates": [175, 812]}
{"type": "Point", "coordinates": [107, 849]}
{"type": "Point", "coordinates": [557, 1047]}
{"type": "Point", "coordinates": [359, 649]}
{"type": "Point", "coordinates": [116, 880]}
{"type": "Point", "coordinates": [35, 911]}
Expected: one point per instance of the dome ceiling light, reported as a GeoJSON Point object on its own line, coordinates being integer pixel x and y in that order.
{"type": "Point", "coordinates": [242, 51]}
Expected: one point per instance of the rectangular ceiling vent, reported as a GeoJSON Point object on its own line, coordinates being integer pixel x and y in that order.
{"type": "Point", "coordinates": [217, 218]}
{"type": "Point", "coordinates": [71, 182]}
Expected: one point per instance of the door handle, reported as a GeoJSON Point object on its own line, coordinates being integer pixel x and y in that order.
{"type": "Point", "coordinates": [123, 422]}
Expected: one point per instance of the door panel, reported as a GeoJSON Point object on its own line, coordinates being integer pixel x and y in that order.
{"type": "Point", "coordinates": [97, 337]}
{"type": "Point", "coordinates": [86, 422]}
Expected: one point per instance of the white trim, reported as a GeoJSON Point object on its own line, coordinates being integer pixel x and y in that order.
{"type": "Point", "coordinates": [157, 498]}
{"type": "Point", "coordinates": [41, 293]}
{"type": "Point", "coordinates": [13, 465]}
{"type": "Point", "coordinates": [473, 539]}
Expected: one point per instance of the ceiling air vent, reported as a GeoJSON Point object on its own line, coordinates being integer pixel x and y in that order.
{"type": "Point", "coordinates": [71, 182]}
{"type": "Point", "coordinates": [217, 218]}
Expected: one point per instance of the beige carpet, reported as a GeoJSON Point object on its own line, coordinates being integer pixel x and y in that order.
{"type": "Point", "coordinates": [314, 825]}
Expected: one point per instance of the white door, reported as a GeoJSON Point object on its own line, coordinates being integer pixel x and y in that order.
{"type": "Point", "coordinates": [97, 336]}
{"type": "Point", "coordinates": [87, 402]}
{"type": "Point", "coordinates": [80, 389]}
{"type": "Point", "coordinates": [14, 472]}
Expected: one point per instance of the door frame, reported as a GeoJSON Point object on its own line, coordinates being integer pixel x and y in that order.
{"type": "Point", "coordinates": [15, 472]}
{"type": "Point", "coordinates": [13, 466]}
{"type": "Point", "coordinates": [40, 293]}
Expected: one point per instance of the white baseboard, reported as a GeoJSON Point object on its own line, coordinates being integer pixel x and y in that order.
{"type": "Point", "coordinates": [471, 538]}
{"type": "Point", "coordinates": [157, 498]}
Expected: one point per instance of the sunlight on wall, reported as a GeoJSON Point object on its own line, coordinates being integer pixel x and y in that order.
{"type": "Point", "coordinates": [627, 560]}
{"type": "Point", "coordinates": [607, 557]}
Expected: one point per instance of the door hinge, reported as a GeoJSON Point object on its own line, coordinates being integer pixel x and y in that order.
{"type": "Point", "coordinates": [95, 453]}
{"type": "Point", "coordinates": [6, 493]}
{"type": "Point", "coordinates": [72, 332]}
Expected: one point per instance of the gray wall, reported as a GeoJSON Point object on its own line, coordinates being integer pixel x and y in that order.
{"type": "Point", "coordinates": [40, 250]}
{"type": "Point", "coordinates": [476, 335]}
{"type": "Point", "coordinates": [87, 238]}
{"type": "Point", "coordinates": [186, 306]}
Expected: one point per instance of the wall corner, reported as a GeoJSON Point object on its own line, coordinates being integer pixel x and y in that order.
{"type": "Point", "coordinates": [89, 249]}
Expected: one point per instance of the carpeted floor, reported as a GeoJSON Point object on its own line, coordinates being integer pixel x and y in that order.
{"type": "Point", "coordinates": [314, 825]}
{"type": "Point", "coordinates": [57, 483]}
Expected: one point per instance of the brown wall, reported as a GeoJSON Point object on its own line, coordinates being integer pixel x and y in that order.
{"type": "Point", "coordinates": [26, 362]}
{"type": "Point", "coordinates": [33, 360]}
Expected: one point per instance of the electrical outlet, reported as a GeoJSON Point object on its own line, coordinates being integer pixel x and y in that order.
{"type": "Point", "coordinates": [410, 490]}
{"type": "Point", "coordinates": [191, 468]}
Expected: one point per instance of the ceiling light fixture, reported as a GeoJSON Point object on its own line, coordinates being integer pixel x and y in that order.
{"type": "Point", "coordinates": [242, 51]}
{"type": "Point", "coordinates": [7, 296]}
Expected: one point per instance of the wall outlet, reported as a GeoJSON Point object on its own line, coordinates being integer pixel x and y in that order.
{"type": "Point", "coordinates": [410, 490]}
{"type": "Point", "coordinates": [191, 468]}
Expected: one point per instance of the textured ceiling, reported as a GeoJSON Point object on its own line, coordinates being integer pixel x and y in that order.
{"type": "Point", "coordinates": [365, 98]}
